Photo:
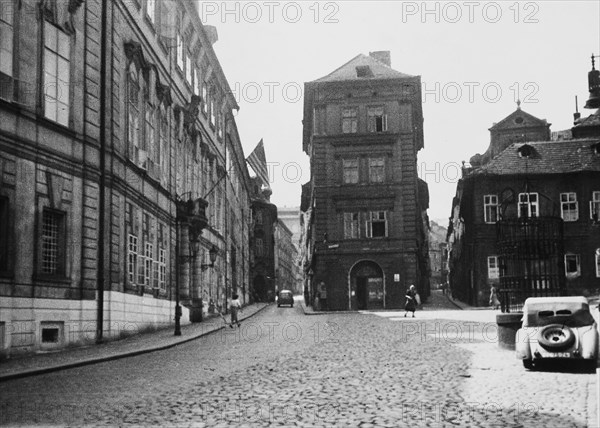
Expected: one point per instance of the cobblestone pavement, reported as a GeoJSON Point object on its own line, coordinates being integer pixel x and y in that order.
{"type": "Point", "coordinates": [285, 369]}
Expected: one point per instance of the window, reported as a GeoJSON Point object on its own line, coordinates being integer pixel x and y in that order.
{"type": "Point", "coordinates": [493, 267]}
{"type": "Point", "coordinates": [204, 98]}
{"type": "Point", "coordinates": [6, 49]}
{"type": "Point", "coordinates": [148, 264]}
{"type": "Point", "coordinates": [53, 240]}
{"type": "Point", "coordinates": [376, 170]}
{"type": "Point", "coordinates": [598, 263]}
{"type": "Point", "coordinates": [179, 52]}
{"type": "Point", "coordinates": [376, 119]}
{"type": "Point", "coordinates": [569, 209]}
{"type": "Point", "coordinates": [259, 217]}
{"type": "Point", "coordinates": [490, 208]}
{"type": "Point", "coordinates": [149, 137]}
{"type": "Point", "coordinates": [260, 248]}
{"type": "Point", "coordinates": [196, 83]}
{"type": "Point", "coordinates": [132, 250]}
{"type": "Point", "coordinates": [350, 225]}
{"type": "Point", "coordinates": [162, 269]}
{"type": "Point", "coordinates": [4, 228]}
{"type": "Point", "coordinates": [220, 125]}
{"type": "Point", "coordinates": [572, 265]}
{"type": "Point", "coordinates": [57, 53]}
{"type": "Point", "coordinates": [212, 111]}
{"type": "Point", "coordinates": [595, 206]}
{"type": "Point", "coordinates": [151, 10]}
{"type": "Point", "coordinates": [377, 224]}
{"type": "Point", "coordinates": [349, 120]}
{"type": "Point", "coordinates": [188, 70]}
{"type": "Point", "coordinates": [133, 113]}
{"type": "Point", "coordinates": [350, 167]}
{"type": "Point", "coordinates": [528, 205]}
{"type": "Point", "coordinates": [162, 150]}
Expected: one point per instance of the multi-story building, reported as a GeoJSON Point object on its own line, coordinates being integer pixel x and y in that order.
{"type": "Point", "coordinates": [525, 218]}
{"type": "Point", "coordinates": [363, 128]}
{"type": "Point", "coordinates": [117, 148]}
{"type": "Point", "coordinates": [438, 254]}
{"type": "Point", "coordinates": [286, 258]}
{"type": "Point", "coordinates": [262, 243]}
{"type": "Point", "coordinates": [291, 218]}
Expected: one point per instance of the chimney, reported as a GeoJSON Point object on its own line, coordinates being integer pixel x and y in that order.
{"type": "Point", "coordinates": [382, 56]}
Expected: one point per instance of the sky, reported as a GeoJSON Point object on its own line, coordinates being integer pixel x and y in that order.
{"type": "Point", "coordinates": [475, 59]}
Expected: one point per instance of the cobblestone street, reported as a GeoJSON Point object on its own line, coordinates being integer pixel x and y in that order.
{"type": "Point", "coordinates": [286, 369]}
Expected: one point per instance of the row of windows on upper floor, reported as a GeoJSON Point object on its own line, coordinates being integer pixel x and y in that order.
{"type": "Point", "coordinates": [572, 266]}
{"type": "Point", "coordinates": [528, 206]}
{"type": "Point", "coordinates": [351, 122]}
{"type": "Point", "coordinates": [57, 82]}
{"type": "Point", "coordinates": [147, 246]}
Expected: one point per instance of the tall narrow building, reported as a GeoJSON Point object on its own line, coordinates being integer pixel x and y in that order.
{"type": "Point", "coordinates": [367, 240]}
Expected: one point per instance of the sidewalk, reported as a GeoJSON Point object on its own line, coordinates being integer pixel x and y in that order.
{"type": "Point", "coordinates": [40, 363]}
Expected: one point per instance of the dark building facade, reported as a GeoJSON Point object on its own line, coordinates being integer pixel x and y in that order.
{"type": "Point", "coordinates": [262, 244]}
{"type": "Point", "coordinates": [367, 237]}
{"type": "Point", "coordinates": [528, 184]}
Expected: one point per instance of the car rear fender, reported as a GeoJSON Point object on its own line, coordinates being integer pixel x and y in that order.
{"type": "Point", "coordinates": [588, 337]}
{"type": "Point", "coordinates": [522, 343]}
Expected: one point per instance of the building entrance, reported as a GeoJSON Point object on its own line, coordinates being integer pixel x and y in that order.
{"type": "Point", "coordinates": [366, 282]}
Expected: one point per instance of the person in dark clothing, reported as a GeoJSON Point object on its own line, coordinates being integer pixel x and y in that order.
{"type": "Point", "coordinates": [411, 302]}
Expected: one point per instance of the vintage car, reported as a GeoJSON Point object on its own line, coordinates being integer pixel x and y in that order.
{"type": "Point", "coordinates": [557, 328]}
{"type": "Point", "coordinates": [285, 297]}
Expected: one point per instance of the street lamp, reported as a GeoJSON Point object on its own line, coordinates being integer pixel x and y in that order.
{"type": "Point", "coordinates": [212, 254]}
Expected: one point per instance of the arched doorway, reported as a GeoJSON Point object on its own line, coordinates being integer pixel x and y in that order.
{"type": "Point", "coordinates": [366, 286]}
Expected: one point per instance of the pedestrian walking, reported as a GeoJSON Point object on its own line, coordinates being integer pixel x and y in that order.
{"type": "Point", "coordinates": [235, 307]}
{"type": "Point", "coordinates": [411, 300]}
{"type": "Point", "coordinates": [494, 301]}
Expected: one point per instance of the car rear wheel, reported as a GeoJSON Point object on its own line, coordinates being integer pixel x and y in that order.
{"type": "Point", "coordinates": [555, 337]}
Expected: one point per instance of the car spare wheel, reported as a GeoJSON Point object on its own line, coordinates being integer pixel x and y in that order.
{"type": "Point", "coordinates": [555, 337]}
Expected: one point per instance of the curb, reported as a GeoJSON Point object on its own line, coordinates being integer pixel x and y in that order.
{"type": "Point", "coordinates": [95, 360]}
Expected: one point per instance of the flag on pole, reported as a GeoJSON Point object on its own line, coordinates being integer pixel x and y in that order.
{"type": "Point", "coordinates": [258, 162]}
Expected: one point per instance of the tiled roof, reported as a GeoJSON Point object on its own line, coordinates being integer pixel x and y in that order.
{"type": "Point", "coordinates": [547, 157]}
{"type": "Point", "coordinates": [592, 120]}
{"type": "Point", "coordinates": [348, 71]}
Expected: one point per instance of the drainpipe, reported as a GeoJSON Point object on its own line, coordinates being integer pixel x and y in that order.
{"type": "Point", "coordinates": [102, 186]}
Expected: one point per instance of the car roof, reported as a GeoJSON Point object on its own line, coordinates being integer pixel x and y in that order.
{"type": "Point", "coordinates": [285, 291]}
{"type": "Point", "coordinates": [561, 299]}
{"type": "Point", "coordinates": [555, 303]}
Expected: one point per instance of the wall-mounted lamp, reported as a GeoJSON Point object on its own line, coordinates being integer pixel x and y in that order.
{"type": "Point", "coordinates": [212, 254]}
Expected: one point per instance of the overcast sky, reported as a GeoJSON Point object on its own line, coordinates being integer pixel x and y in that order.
{"type": "Point", "coordinates": [474, 58]}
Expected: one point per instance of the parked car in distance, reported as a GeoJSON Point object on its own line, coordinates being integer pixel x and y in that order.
{"type": "Point", "coordinates": [285, 297]}
{"type": "Point", "coordinates": [557, 328]}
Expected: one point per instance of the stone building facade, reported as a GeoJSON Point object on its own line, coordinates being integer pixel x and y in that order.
{"type": "Point", "coordinates": [117, 148]}
{"type": "Point", "coordinates": [363, 128]}
{"type": "Point", "coordinates": [262, 243]}
{"type": "Point", "coordinates": [530, 177]}
{"type": "Point", "coordinates": [286, 259]}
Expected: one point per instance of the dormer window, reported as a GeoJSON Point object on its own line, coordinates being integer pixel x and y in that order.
{"type": "Point", "coordinates": [364, 71]}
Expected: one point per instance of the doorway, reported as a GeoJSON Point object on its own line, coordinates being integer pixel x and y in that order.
{"type": "Point", "coordinates": [366, 286]}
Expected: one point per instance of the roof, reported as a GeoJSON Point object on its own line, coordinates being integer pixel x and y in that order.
{"type": "Point", "coordinates": [592, 120]}
{"type": "Point", "coordinates": [378, 70]}
{"type": "Point", "coordinates": [546, 157]}
{"type": "Point", "coordinates": [519, 119]}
